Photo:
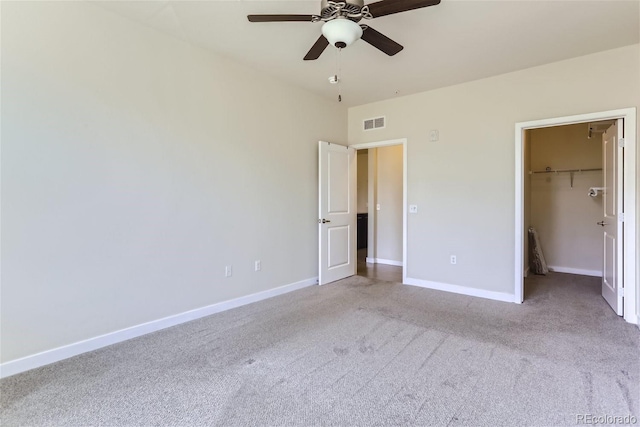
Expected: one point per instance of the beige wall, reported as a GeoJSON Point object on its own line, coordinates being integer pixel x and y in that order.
{"type": "Point", "coordinates": [389, 197]}
{"type": "Point", "coordinates": [464, 183]}
{"type": "Point", "coordinates": [566, 216]}
{"type": "Point", "coordinates": [135, 167]}
{"type": "Point", "coordinates": [363, 180]}
{"type": "Point", "coordinates": [130, 176]}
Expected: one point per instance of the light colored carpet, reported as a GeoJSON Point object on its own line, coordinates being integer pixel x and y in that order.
{"type": "Point", "coordinates": [357, 352]}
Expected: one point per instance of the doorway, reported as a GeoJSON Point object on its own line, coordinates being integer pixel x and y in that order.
{"type": "Point", "coordinates": [563, 208]}
{"type": "Point", "coordinates": [379, 229]}
{"type": "Point", "coordinates": [573, 228]}
{"type": "Point", "coordinates": [337, 207]}
{"type": "Point", "coordinates": [384, 203]}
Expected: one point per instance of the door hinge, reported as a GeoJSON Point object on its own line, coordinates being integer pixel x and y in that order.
{"type": "Point", "coordinates": [621, 143]}
{"type": "Point", "coordinates": [621, 217]}
{"type": "Point", "coordinates": [621, 291]}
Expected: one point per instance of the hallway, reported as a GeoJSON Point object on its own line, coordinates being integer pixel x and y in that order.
{"type": "Point", "coordinates": [389, 273]}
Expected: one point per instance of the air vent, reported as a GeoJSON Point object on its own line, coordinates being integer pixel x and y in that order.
{"type": "Point", "coordinates": [375, 123]}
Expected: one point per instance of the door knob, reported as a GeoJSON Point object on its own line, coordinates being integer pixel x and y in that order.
{"type": "Point", "coordinates": [602, 223]}
{"type": "Point", "coordinates": [323, 221]}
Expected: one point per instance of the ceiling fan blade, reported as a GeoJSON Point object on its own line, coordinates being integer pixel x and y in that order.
{"type": "Point", "coordinates": [381, 42]}
{"type": "Point", "coordinates": [387, 7]}
{"type": "Point", "coordinates": [318, 47]}
{"type": "Point", "coordinates": [280, 18]}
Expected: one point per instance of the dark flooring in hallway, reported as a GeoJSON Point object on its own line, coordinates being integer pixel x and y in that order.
{"type": "Point", "coordinates": [389, 273]}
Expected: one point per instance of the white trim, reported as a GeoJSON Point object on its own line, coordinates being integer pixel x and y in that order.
{"type": "Point", "coordinates": [370, 260]}
{"type": "Point", "coordinates": [404, 143]}
{"type": "Point", "coordinates": [569, 270]}
{"type": "Point", "coordinates": [385, 261]}
{"type": "Point", "coordinates": [518, 294]}
{"type": "Point", "coordinates": [54, 355]}
{"type": "Point", "coordinates": [463, 290]}
{"type": "Point", "coordinates": [527, 271]}
{"type": "Point", "coordinates": [630, 280]}
{"type": "Point", "coordinates": [405, 219]}
{"type": "Point", "coordinates": [378, 144]}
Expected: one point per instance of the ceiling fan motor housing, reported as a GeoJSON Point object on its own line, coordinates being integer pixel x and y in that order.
{"type": "Point", "coordinates": [329, 8]}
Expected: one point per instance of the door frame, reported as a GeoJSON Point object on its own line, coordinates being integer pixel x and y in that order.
{"type": "Point", "coordinates": [629, 276]}
{"type": "Point", "coordinates": [386, 143]}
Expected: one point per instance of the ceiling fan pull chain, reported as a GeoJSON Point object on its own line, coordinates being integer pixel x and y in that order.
{"type": "Point", "coordinates": [339, 73]}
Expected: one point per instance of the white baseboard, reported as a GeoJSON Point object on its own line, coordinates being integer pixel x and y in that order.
{"type": "Point", "coordinates": [463, 290]}
{"type": "Point", "coordinates": [556, 269]}
{"type": "Point", "coordinates": [54, 355]}
{"type": "Point", "coordinates": [527, 271]}
{"type": "Point", "coordinates": [383, 261]}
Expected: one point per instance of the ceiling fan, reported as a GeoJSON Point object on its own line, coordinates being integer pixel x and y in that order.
{"type": "Point", "coordinates": [341, 19]}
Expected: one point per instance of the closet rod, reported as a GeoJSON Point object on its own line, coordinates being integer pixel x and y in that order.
{"type": "Point", "coordinates": [566, 170]}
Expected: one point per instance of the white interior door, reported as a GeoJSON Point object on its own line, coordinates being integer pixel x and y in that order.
{"type": "Point", "coordinates": [611, 226]}
{"type": "Point", "coordinates": [337, 218]}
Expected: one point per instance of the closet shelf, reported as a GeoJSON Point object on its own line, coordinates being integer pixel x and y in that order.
{"type": "Point", "coordinates": [571, 172]}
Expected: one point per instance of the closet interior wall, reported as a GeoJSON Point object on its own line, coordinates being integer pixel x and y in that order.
{"type": "Point", "coordinates": [559, 206]}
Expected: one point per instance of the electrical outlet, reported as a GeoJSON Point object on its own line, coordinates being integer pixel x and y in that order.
{"type": "Point", "coordinates": [257, 265]}
{"type": "Point", "coordinates": [378, 207]}
{"type": "Point", "coordinates": [454, 260]}
{"type": "Point", "coordinates": [413, 208]}
{"type": "Point", "coordinates": [228, 271]}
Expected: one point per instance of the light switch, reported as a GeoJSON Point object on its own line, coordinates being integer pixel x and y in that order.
{"type": "Point", "coordinates": [378, 207]}
{"type": "Point", "coordinates": [434, 135]}
{"type": "Point", "coordinates": [413, 208]}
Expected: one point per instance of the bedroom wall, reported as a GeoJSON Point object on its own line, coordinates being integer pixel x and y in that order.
{"type": "Point", "coordinates": [464, 183]}
{"type": "Point", "coordinates": [566, 216]}
{"type": "Point", "coordinates": [130, 177]}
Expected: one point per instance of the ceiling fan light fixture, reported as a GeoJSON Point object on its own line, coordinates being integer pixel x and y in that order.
{"type": "Point", "coordinates": [341, 32]}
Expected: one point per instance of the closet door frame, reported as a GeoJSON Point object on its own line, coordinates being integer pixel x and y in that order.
{"type": "Point", "coordinates": [627, 163]}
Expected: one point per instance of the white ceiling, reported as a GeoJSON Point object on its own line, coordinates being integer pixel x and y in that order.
{"type": "Point", "coordinates": [451, 43]}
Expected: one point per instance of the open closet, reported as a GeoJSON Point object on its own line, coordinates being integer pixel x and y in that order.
{"type": "Point", "coordinates": [584, 217]}
{"type": "Point", "coordinates": [563, 195]}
